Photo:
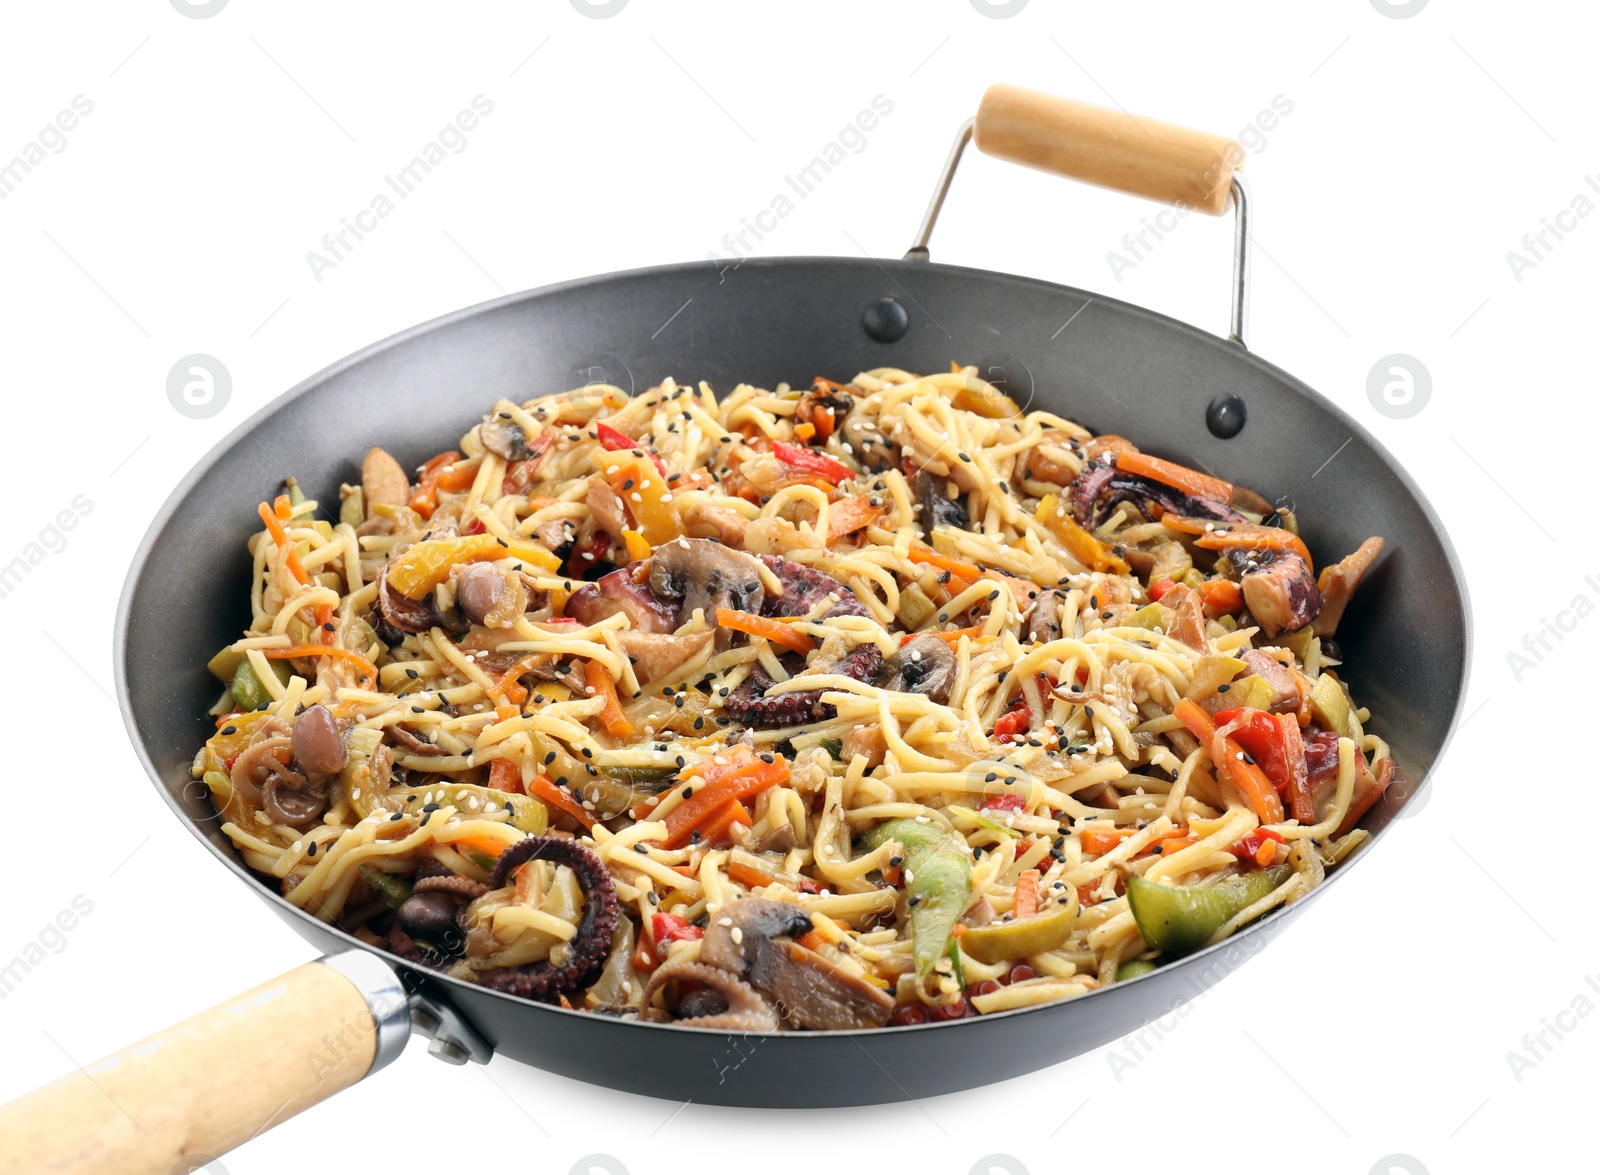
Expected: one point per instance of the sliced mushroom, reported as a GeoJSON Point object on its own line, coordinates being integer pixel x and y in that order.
{"type": "Point", "coordinates": [618, 591]}
{"type": "Point", "coordinates": [606, 509]}
{"type": "Point", "coordinates": [657, 657]}
{"type": "Point", "coordinates": [1044, 619]}
{"type": "Point", "coordinates": [808, 989]}
{"type": "Point", "coordinates": [923, 665]}
{"type": "Point", "coordinates": [505, 439]}
{"type": "Point", "coordinates": [490, 596]}
{"type": "Point", "coordinates": [867, 741]}
{"type": "Point", "coordinates": [402, 613]}
{"type": "Point", "coordinates": [1278, 590]}
{"type": "Point", "coordinates": [938, 507]}
{"type": "Point", "coordinates": [318, 744]}
{"type": "Point", "coordinates": [706, 576]}
{"type": "Point", "coordinates": [383, 482]}
{"type": "Point", "coordinates": [1339, 581]}
{"type": "Point", "coordinates": [722, 1000]}
{"type": "Point", "coordinates": [874, 450]}
{"type": "Point", "coordinates": [432, 916]}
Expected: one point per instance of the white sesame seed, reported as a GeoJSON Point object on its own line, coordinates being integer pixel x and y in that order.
{"type": "Point", "coordinates": [737, 935]}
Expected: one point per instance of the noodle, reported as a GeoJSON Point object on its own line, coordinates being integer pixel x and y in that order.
{"type": "Point", "coordinates": [621, 681]}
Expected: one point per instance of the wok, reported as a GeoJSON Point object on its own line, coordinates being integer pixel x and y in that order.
{"type": "Point", "coordinates": [1181, 393]}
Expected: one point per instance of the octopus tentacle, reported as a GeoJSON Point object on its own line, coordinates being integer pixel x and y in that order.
{"type": "Point", "coordinates": [749, 706]}
{"type": "Point", "coordinates": [454, 883]}
{"type": "Point", "coordinates": [586, 953]}
{"type": "Point", "coordinates": [742, 1008]}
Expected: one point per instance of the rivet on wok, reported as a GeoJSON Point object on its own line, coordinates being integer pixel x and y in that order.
{"type": "Point", "coordinates": [1225, 416]}
{"type": "Point", "coordinates": [885, 320]}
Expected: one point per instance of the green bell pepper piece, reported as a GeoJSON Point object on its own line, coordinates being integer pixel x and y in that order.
{"type": "Point", "coordinates": [1178, 919]}
{"type": "Point", "coordinates": [939, 885]}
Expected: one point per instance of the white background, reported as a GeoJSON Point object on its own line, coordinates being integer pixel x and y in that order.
{"type": "Point", "coordinates": [1417, 154]}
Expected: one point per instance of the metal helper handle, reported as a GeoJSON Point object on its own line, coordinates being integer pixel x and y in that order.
{"type": "Point", "coordinates": [1109, 149]}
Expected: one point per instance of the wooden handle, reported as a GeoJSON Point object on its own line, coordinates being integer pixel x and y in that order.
{"type": "Point", "coordinates": [201, 1087]}
{"type": "Point", "coordinates": [1107, 148]}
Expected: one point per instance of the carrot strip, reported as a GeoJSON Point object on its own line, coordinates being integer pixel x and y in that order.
{"type": "Point", "coordinates": [426, 500]}
{"type": "Point", "coordinates": [544, 789]}
{"type": "Point", "coordinates": [1179, 477]}
{"type": "Point", "coordinates": [749, 875]}
{"type": "Point", "coordinates": [1228, 757]}
{"type": "Point", "coordinates": [1222, 536]}
{"type": "Point", "coordinates": [1096, 841]}
{"type": "Point", "coordinates": [1027, 902]}
{"type": "Point", "coordinates": [945, 563]}
{"type": "Point", "coordinates": [506, 776]}
{"type": "Point", "coordinates": [368, 671]}
{"type": "Point", "coordinates": [951, 638]}
{"type": "Point", "coordinates": [487, 845]}
{"type": "Point", "coordinates": [848, 515]}
{"type": "Point", "coordinates": [762, 626]}
{"type": "Point", "coordinates": [742, 776]}
{"type": "Point", "coordinates": [280, 539]}
{"type": "Point", "coordinates": [611, 715]}
{"type": "Point", "coordinates": [720, 825]}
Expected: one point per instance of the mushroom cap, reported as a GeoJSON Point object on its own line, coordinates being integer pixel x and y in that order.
{"type": "Point", "coordinates": [923, 665]}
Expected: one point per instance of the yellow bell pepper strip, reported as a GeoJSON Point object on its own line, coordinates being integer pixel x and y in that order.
{"type": "Point", "coordinates": [773, 630]}
{"type": "Point", "coordinates": [1226, 536]}
{"type": "Point", "coordinates": [642, 488]}
{"type": "Point", "coordinates": [741, 776]}
{"type": "Point", "coordinates": [425, 565]}
{"type": "Point", "coordinates": [1180, 477]}
{"type": "Point", "coordinates": [1228, 757]}
{"type": "Point", "coordinates": [637, 546]}
{"type": "Point", "coordinates": [601, 686]}
{"type": "Point", "coordinates": [368, 673]}
{"type": "Point", "coordinates": [1080, 544]}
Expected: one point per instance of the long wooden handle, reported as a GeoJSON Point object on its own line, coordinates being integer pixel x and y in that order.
{"type": "Point", "coordinates": [201, 1087]}
{"type": "Point", "coordinates": [1107, 148]}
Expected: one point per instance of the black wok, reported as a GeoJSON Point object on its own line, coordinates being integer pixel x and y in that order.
{"type": "Point", "coordinates": [1117, 368]}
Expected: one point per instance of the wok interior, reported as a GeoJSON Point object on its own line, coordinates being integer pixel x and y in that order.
{"type": "Point", "coordinates": [1114, 369]}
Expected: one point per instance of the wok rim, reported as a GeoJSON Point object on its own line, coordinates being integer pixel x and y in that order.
{"type": "Point", "coordinates": [1267, 926]}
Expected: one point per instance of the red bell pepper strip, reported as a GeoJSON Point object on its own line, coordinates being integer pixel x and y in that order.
{"type": "Point", "coordinates": [1229, 758]}
{"type": "Point", "coordinates": [1259, 846]}
{"type": "Point", "coordinates": [1013, 722]}
{"type": "Point", "coordinates": [616, 442]}
{"type": "Point", "coordinates": [810, 461]}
